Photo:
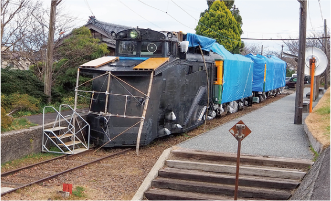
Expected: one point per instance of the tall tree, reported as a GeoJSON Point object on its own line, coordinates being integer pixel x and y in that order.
{"type": "Point", "coordinates": [77, 49]}
{"type": "Point", "coordinates": [230, 5]}
{"type": "Point", "coordinates": [220, 24]}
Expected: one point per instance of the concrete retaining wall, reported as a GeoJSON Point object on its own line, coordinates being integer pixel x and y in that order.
{"type": "Point", "coordinates": [19, 143]}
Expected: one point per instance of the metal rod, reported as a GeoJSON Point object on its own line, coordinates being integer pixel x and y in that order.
{"type": "Point", "coordinates": [237, 170]}
{"type": "Point", "coordinates": [107, 92]}
{"type": "Point", "coordinates": [129, 84]}
{"type": "Point", "coordinates": [144, 113]}
{"type": "Point", "coordinates": [118, 135]}
{"type": "Point", "coordinates": [312, 74]}
{"type": "Point", "coordinates": [93, 79]}
{"type": "Point", "coordinates": [239, 137]}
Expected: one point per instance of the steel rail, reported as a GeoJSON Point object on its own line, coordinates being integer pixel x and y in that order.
{"type": "Point", "coordinates": [46, 161]}
{"type": "Point", "coordinates": [66, 171]}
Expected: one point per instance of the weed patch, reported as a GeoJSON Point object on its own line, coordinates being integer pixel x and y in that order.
{"type": "Point", "coordinates": [323, 110]}
{"type": "Point", "coordinates": [78, 192]}
{"type": "Point", "coordinates": [18, 124]}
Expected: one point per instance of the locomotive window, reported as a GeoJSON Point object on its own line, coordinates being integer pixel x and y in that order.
{"type": "Point", "coordinates": [151, 48]}
{"type": "Point", "coordinates": [127, 47]}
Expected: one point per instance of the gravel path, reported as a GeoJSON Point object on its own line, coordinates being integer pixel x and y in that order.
{"type": "Point", "coordinates": [273, 133]}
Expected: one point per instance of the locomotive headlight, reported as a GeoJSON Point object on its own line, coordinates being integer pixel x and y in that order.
{"type": "Point", "coordinates": [133, 34]}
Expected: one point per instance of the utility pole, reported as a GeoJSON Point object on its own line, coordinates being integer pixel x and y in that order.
{"type": "Point", "coordinates": [326, 73]}
{"type": "Point", "coordinates": [50, 48]}
{"type": "Point", "coordinates": [281, 54]}
{"type": "Point", "coordinates": [262, 50]}
{"type": "Point", "coordinates": [301, 62]}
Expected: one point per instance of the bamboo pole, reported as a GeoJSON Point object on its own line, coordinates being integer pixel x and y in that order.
{"type": "Point", "coordinates": [144, 113]}
{"type": "Point", "coordinates": [206, 117]}
{"type": "Point", "coordinates": [107, 92]}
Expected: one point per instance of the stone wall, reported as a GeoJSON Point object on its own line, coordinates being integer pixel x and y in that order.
{"type": "Point", "coordinates": [16, 144]}
{"type": "Point", "coordinates": [19, 143]}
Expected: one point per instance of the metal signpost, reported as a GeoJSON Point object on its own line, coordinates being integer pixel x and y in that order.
{"type": "Point", "coordinates": [239, 131]}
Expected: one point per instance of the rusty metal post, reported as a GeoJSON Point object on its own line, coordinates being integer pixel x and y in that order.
{"type": "Point", "coordinates": [239, 136]}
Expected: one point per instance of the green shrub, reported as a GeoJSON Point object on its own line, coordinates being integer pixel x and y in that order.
{"type": "Point", "coordinates": [6, 121]}
{"type": "Point", "coordinates": [18, 104]}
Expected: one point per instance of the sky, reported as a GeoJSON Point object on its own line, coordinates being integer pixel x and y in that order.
{"type": "Point", "coordinates": [261, 18]}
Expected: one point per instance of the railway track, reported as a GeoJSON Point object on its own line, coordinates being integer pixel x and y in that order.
{"type": "Point", "coordinates": [46, 170]}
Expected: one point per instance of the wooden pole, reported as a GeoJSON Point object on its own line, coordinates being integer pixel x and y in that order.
{"type": "Point", "coordinates": [301, 63]}
{"type": "Point", "coordinates": [144, 113]}
{"type": "Point", "coordinates": [326, 73]}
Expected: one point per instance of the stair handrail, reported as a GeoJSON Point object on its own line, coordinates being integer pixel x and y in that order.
{"type": "Point", "coordinates": [82, 119]}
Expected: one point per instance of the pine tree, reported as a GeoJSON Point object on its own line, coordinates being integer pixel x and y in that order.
{"type": "Point", "coordinates": [219, 23]}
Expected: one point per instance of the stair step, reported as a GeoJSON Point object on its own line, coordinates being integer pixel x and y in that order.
{"type": "Point", "coordinates": [76, 151]}
{"type": "Point", "coordinates": [244, 159]}
{"type": "Point", "coordinates": [63, 136]}
{"type": "Point", "coordinates": [168, 194]}
{"type": "Point", "coordinates": [253, 181]}
{"type": "Point", "coordinates": [55, 129]}
{"type": "Point", "coordinates": [70, 143]}
{"type": "Point", "coordinates": [244, 170]}
{"type": "Point", "coordinates": [220, 189]}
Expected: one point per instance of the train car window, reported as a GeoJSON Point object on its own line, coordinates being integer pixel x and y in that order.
{"type": "Point", "coordinates": [127, 47]}
{"type": "Point", "coordinates": [151, 48]}
{"type": "Point", "coordinates": [201, 68]}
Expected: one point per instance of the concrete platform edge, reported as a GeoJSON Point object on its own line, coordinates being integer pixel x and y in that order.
{"type": "Point", "coordinates": [152, 175]}
{"type": "Point", "coordinates": [317, 146]}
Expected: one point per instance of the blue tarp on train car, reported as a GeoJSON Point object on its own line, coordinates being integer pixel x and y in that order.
{"type": "Point", "coordinates": [258, 72]}
{"type": "Point", "coordinates": [275, 72]}
{"type": "Point", "coordinates": [279, 71]}
{"type": "Point", "coordinates": [196, 40]}
{"type": "Point", "coordinates": [238, 74]}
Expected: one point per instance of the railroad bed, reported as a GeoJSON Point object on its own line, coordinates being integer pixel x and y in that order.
{"type": "Point", "coordinates": [49, 169]}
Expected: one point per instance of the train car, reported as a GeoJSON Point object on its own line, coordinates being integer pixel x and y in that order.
{"type": "Point", "coordinates": [269, 74]}
{"type": "Point", "coordinates": [161, 83]}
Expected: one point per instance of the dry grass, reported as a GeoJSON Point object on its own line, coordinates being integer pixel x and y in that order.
{"type": "Point", "coordinates": [318, 122]}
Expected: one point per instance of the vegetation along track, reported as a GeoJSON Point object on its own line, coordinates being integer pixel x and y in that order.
{"type": "Point", "coordinates": [49, 169]}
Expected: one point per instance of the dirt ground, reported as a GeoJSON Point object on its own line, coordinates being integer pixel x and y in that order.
{"type": "Point", "coordinates": [119, 178]}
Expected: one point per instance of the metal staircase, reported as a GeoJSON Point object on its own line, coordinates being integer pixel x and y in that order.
{"type": "Point", "coordinates": [66, 136]}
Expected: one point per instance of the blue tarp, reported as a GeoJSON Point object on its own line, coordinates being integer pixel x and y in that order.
{"type": "Point", "coordinates": [279, 71]}
{"type": "Point", "coordinates": [258, 72]}
{"type": "Point", "coordinates": [275, 72]}
{"type": "Point", "coordinates": [196, 40]}
{"type": "Point", "coordinates": [238, 75]}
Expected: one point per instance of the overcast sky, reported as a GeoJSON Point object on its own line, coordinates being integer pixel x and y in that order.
{"type": "Point", "coordinates": [261, 18]}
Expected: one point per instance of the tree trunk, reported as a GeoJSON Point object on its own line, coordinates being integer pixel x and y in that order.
{"type": "Point", "coordinates": [50, 47]}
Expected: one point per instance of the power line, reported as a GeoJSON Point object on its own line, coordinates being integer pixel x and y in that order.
{"type": "Point", "coordinates": [204, 24]}
{"type": "Point", "coordinates": [165, 13]}
{"type": "Point", "coordinates": [138, 14]}
{"type": "Point", "coordinates": [309, 16]}
{"type": "Point", "coordinates": [320, 9]}
{"type": "Point", "coordinates": [89, 7]}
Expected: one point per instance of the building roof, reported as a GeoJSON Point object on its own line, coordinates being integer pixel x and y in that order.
{"type": "Point", "coordinates": [108, 28]}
